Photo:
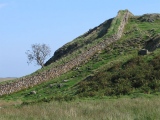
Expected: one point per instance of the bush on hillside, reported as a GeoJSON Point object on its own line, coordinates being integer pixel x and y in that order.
{"type": "Point", "coordinates": [124, 78]}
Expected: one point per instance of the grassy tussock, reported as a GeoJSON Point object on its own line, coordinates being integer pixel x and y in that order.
{"type": "Point", "coordinates": [115, 109]}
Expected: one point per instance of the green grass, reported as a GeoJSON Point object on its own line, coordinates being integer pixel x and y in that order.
{"type": "Point", "coordinates": [117, 53]}
{"type": "Point", "coordinates": [74, 77]}
{"type": "Point", "coordinates": [141, 108]}
{"type": "Point", "coordinates": [121, 51]}
{"type": "Point", "coordinates": [115, 83]}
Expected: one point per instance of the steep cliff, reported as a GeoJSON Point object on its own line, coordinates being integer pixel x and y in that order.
{"type": "Point", "coordinates": [90, 38]}
{"type": "Point", "coordinates": [81, 42]}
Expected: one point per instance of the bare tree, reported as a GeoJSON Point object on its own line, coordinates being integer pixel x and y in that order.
{"type": "Point", "coordinates": [38, 53]}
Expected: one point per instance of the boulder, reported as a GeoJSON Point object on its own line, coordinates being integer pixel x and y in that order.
{"type": "Point", "coordinates": [143, 52]}
{"type": "Point", "coordinates": [33, 92]}
{"type": "Point", "coordinates": [60, 85]}
{"type": "Point", "coordinates": [64, 80]}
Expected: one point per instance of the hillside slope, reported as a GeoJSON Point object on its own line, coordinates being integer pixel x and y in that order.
{"type": "Point", "coordinates": [64, 65]}
{"type": "Point", "coordinates": [102, 62]}
{"type": "Point", "coordinates": [99, 34]}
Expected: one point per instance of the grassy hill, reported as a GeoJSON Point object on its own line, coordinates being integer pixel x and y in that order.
{"type": "Point", "coordinates": [115, 70]}
{"type": "Point", "coordinates": [122, 73]}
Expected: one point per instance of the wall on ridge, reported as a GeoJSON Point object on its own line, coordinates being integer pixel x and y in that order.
{"type": "Point", "coordinates": [26, 82]}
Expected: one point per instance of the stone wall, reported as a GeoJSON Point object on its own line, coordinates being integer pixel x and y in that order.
{"type": "Point", "coordinates": [26, 82]}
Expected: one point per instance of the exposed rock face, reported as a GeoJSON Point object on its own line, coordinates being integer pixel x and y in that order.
{"type": "Point", "coordinates": [33, 92]}
{"type": "Point", "coordinates": [65, 81]}
{"type": "Point", "coordinates": [25, 82]}
{"type": "Point", "coordinates": [143, 52]}
{"type": "Point", "coordinates": [87, 38]}
{"type": "Point", "coordinates": [149, 17]}
{"type": "Point", "coordinates": [153, 43]}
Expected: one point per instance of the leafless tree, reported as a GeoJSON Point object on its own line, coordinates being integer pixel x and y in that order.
{"type": "Point", "coordinates": [38, 53]}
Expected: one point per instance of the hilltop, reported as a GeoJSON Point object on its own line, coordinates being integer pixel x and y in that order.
{"type": "Point", "coordinates": [118, 57]}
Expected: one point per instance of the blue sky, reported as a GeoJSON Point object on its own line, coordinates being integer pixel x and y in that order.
{"type": "Point", "coordinates": [53, 22]}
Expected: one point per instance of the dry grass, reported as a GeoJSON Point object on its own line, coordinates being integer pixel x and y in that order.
{"type": "Point", "coordinates": [5, 79]}
{"type": "Point", "coordinates": [120, 109]}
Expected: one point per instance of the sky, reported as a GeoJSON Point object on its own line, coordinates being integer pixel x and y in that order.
{"type": "Point", "coordinates": [54, 23]}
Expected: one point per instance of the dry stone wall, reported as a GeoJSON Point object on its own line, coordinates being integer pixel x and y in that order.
{"type": "Point", "coordinates": [26, 82]}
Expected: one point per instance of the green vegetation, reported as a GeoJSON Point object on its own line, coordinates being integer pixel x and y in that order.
{"type": "Point", "coordinates": [146, 108]}
{"type": "Point", "coordinates": [136, 75]}
{"type": "Point", "coordinates": [115, 83]}
{"type": "Point", "coordinates": [108, 73]}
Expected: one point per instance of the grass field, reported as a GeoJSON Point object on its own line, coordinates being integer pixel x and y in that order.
{"type": "Point", "coordinates": [145, 108]}
{"type": "Point", "coordinates": [5, 79]}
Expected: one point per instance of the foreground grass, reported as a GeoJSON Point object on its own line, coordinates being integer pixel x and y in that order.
{"type": "Point", "coordinates": [104, 109]}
